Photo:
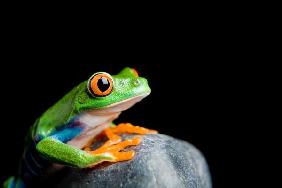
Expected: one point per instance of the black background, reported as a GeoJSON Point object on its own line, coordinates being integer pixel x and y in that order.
{"type": "Point", "coordinates": [203, 90]}
{"type": "Point", "coordinates": [197, 103]}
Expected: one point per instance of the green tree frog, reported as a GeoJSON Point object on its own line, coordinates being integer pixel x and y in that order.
{"type": "Point", "coordinates": [65, 132]}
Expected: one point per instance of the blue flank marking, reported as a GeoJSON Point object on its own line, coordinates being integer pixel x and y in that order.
{"type": "Point", "coordinates": [15, 183]}
{"type": "Point", "coordinates": [68, 131]}
{"type": "Point", "coordinates": [67, 134]}
{"type": "Point", "coordinates": [33, 164]}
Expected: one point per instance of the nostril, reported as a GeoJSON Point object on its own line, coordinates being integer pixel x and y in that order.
{"type": "Point", "coordinates": [136, 82]}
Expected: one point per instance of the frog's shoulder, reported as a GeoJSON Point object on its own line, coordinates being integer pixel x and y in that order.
{"type": "Point", "coordinates": [57, 115]}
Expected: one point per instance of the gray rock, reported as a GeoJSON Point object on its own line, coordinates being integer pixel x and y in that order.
{"type": "Point", "coordinates": [160, 161]}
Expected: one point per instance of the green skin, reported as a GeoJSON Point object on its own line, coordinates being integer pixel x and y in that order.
{"type": "Point", "coordinates": [125, 86]}
{"type": "Point", "coordinates": [51, 133]}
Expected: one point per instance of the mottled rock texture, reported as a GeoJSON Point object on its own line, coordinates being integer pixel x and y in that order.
{"type": "Point", "coordinates": [160, 161]}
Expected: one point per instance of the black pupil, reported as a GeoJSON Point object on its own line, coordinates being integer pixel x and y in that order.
{"type": "Point", "coordinates": [103, 84]}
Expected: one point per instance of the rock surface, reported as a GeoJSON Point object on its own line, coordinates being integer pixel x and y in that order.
{"type": "Point", "coordinates": [160, 161]}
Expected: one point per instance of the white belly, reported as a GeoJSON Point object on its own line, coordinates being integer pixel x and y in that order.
{"type": "Point", "coordinates": [94, 124]}
{"type": "Point", "coordinates": [97, 120]}
{"type": "Point", "coordinates": [87, 135]}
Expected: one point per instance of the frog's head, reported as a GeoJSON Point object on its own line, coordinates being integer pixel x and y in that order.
{"type": "Point", "coordinates": [111, 93]}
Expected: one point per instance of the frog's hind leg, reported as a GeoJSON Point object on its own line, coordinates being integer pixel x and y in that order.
{"type": "Point", "coordinates": [13, 182]}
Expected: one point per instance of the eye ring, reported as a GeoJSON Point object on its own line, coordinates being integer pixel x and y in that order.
{"type": "Point", "coordinates": [100, 84]}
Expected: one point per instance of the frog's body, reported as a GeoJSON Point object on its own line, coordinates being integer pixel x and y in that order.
{"type": "Point", "coordinates": [64, 133]}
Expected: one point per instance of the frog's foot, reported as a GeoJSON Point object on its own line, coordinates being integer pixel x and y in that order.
{"type": "Point", "coordinates": [115, 150]}
{"type": "Point", "coordinates": [112, 132]}
{"type": "Point", "coordinates": [113, 139]}
{"type": "Point", "coordinates": [129, 128]}
{"type": "Point", "coordinates": [113, 147]}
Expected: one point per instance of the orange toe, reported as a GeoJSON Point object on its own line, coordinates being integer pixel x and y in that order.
{"type": "Point", "coordinates": [123, 156]}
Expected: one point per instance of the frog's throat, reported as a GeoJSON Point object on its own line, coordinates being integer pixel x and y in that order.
{"type": "Point", "coordinates": [96, 117]}
{"type": "Point", "coordinates": [95, 121]}
{"type": "Point", "coordinates": [119, 106]}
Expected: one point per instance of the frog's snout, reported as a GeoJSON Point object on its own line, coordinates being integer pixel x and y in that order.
{"type": "Point", "coordinates": [140, 85]}
{"type": "Point", "coordinates": [139, 82]}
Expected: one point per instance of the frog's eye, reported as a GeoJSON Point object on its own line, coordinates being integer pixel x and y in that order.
{"type": "Point", "coordinates": [100, 84]}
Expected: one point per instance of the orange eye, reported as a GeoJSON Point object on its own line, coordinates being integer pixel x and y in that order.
{"type": "Point", "coordinates": [100, 84]}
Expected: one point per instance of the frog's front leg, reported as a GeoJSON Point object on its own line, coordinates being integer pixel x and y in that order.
{"type": "Point", "coordinates": [114, 146]}
{"type": "Point", "coordinates": [55, 149]}
{"type": "Point", "coordinates": [115, 150]}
